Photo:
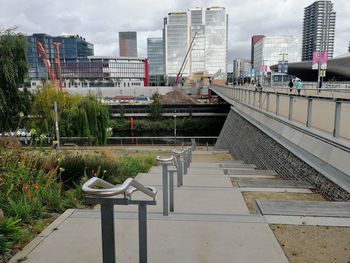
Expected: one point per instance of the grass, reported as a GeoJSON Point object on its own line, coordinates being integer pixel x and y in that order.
{"type": "Point", "coordinates": [37, 184]}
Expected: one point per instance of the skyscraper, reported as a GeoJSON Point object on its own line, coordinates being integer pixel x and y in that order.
{"type": "Point", "coordinates": [318, 29]}
{"type": "Point", "coordinates": [155, 55]}
{"type": "Point", "coordinates": [255, 39]}
{"type": "Point", "coordinates": [207, 27]}
{"type": "Point", "coordinates": [127, 44]}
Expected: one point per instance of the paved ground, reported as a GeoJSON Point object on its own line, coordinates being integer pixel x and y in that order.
{"type": "Point", "coordinates": [211, 223]}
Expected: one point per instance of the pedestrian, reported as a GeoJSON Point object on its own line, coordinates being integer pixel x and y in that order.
{"type": "Point", "coordinates": [299, 86]}
{"type": "Point", "coordinates": [291, 84]}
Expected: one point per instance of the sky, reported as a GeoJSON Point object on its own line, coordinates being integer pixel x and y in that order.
{"type": "Point", "coordinates": [99, 21]}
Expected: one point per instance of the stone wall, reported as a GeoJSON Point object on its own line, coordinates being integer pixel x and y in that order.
{"type": "Point", "coordinates": [246, 142]}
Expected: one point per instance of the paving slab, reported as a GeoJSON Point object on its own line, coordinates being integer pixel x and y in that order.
{"type": "Point", "coordinates": [304, 208]}
{"type": "Point", "coordinates": [272, 183]}
{"type": "Point", "coordinates": [169, 241]}
{"type": "Point", "coordinates": [308, 220]}
{"type": "Point", "coordinates": [275, 190]}
{"type": "Point", "coordinates": [254, 172]}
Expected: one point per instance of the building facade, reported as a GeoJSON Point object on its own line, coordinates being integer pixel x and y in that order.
{"type": "Point", "coordinates": [155, 55]}
{"type": "Point", "coordinates": [241, 69]}
{"type": "Point", "coordinates": [318, 29]}
{"type": "Point", "coordinates": [127, 44]}
{"type": "Point", "coordinates": [72, 47]}
{"type": "Point", "coordinates": [106, 72]}
{"type": "Point", "coordinates": [269, 51]}
{"type": "Point", "coordinates": [255, 39]}
{"type": "Point", "coordinates": [208, 29]}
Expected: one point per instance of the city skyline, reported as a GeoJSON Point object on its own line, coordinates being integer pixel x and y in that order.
{"type": "Point", "coordinates": [100, 22]}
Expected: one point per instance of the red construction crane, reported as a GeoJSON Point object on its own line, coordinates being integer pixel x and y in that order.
{"type": "Point", "coordinates": [58, 63]}
{"type": "Point", "coordinates": [183, 63]}
{"type": "Point", "coordinates": [48, 66]}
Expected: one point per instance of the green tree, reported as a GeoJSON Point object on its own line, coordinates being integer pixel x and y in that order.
{"type": "Point", "coordinates": [155, 108]}
{"type": "Point", "coordinates": [13, 69]}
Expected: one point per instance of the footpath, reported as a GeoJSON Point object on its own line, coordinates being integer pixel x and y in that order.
{"type": "Point", "coordinates": [210, 223]}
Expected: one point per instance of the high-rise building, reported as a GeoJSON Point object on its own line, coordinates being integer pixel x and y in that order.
{"type": "Point", "coordinates": [318, 29]}
{"type": "Point", "coordinates": [155, 55]}
{"type": "Point", "coordinates": [241, 68]}
{"type": "Point", "coordinates": [255, 39]}
{"type": "Point", "coordinates": [269, 51]}
{"type": "Point", "coordinates": [71, 48]}
{"type": "Point", "coordinates": [127, 44]}
{"type": "Point", "coordinates": [207, 27]}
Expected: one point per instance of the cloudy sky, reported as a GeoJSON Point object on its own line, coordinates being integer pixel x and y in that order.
{"type": "Point", "coordinates": [99, 21]}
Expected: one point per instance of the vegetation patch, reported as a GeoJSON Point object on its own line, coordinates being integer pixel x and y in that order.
{"type": "Point", "coordinates": [37, 185]}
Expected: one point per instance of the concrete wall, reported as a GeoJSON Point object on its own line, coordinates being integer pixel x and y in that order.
{"type": "Point", "coordinates": [248, 140]}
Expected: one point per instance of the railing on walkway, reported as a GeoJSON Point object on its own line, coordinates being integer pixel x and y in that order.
{"type": "Point", "coordinates": [328, 111]}
{"type": "Point", "coordinates": [121, 141]}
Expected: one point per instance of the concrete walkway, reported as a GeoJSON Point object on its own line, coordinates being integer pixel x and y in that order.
{"type": "Point", "coordinates": [211, 223]}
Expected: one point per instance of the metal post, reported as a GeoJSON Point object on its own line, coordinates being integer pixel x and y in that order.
{"type": "Point", "coordinates": [290, 112]}
{"type": "Point", "coordinates": [171, 190]}
{"type": "Point", "coordinates": [267, 101]}
{"type": "Point", "coordinates": [142, 232]}
{"type": "Point", "coordinates": [260, 100]}
{"type": "Point", "coordinates": [56, 125]}
{"type": "Point", "coordinates": [309, 113]}
{"type": "Point", "coordinates": [277, 104]}
{"type": "Point", "coordinates": [179, 170]}
{"type": "Point", "coordinates": [185, 162]}
{"type": "Point", "coordinates": [165, 189]}
{"type": "Point", "coordinates": [254, 98]}
{"type": "Point", "coordinates": [249, 97]}
{"type": "Point", "coordinates": [107, 227]}
{"type": "Point", "coordinates": [337, 114]}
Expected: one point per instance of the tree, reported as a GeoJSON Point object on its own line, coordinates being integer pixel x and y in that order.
{"type": "Point", "coordinates": [155, 108]}
{"type": "Point", "coordinates": [13, 69]}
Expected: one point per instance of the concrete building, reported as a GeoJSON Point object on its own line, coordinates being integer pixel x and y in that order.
{"type": "Point", "coordinates": [72, 47]}
{"type": "Point", "coordinates": [155, 55]}
{"type": "Point", "coordinates": [255, 39]}
{"type": "Point", "coordinates": [209, 51]}
{"type": "Point", "coordinates": [318, 29]}
{"type": "Point", "coordinates": [269, 51]}
{"type": "Point", "coordinates": [127, 44]}
{"type": "Point", "coordinates": [241, 69]}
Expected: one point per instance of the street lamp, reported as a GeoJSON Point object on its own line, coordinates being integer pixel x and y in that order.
{"type": "Point", "coordinates": [175, 127]}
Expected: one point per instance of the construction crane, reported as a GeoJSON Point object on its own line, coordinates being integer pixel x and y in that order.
{"type": "Point", "coordinates": [179, 74]}
{"type": "Point", "coordinates": [48, 66]}
{"type": "Point", "coordinates": [58, 63]}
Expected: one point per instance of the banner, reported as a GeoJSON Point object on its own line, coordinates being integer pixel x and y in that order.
{"type": "Point", "coordinates": [285, 67]}
{"type": "Point", "coordinates": [324, 57]}
{"type": "Point", "coordinates": [280, 66]}
{"type": "Point", "coordinates": [315, 60]}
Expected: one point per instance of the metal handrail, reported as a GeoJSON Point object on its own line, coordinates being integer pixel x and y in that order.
{"type": "Point", "coordinates": [127, 188]}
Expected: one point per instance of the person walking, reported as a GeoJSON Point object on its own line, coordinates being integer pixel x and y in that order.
{"type": "Point", "coordinates": [299, 86]}
{"type": "Point", "coordinates": [291, 84]}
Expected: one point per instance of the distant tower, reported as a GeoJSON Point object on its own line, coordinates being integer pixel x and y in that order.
{"type": "Point", "coordinates": [318, 29]}
{"type": "Point", "coordinates": [255, 39]}
{"type": "Point", "coordinates": [127, 44]}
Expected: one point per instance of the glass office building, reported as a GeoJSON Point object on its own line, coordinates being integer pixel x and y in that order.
{"type": "Point", "coordinates": [176, 38]}
{"type": "Point", "coordinates": [155, 55]}
{"type": "Point", "coordinates": [269, 51]}
{"type": "Point", "coordinates": [208, 28]}
{"type": "Point", "coordinates": [71, 48]}
{"type": "Point", "coordinates": [216, 29]}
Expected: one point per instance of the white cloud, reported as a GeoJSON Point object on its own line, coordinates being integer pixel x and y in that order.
{"type": "Point", "coordinates": [100, 21]}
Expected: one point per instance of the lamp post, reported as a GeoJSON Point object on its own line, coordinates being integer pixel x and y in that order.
{"type": "Point", "coordinates": [175, 126]}
{"type": "Point", "coordinates": [283, 69]}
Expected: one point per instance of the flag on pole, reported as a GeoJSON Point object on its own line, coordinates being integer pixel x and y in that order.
{"type": "Point", "coordinates": [324, 57]}
{"type": "Point", "coordinates": [315, 60]}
